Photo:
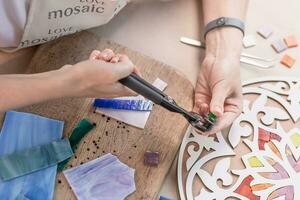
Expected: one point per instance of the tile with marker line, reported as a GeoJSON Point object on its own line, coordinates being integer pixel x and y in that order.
{"type": "Point", "coordinates": [279, 45]}
{"type": "Point", "coordinates": [265, 31]}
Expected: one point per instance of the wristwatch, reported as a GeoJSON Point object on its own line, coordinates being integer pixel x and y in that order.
{"type": "Point", "coordinates": [222, 22]}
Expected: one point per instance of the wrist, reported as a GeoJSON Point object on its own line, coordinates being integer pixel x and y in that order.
{"type": "Point", "coordinates": [224, 42]}
{"type": "Point", "coordinates": [66, 81]}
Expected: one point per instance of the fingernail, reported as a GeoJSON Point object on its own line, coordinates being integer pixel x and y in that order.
{"type": "Point", "coordinates": [218, 110]}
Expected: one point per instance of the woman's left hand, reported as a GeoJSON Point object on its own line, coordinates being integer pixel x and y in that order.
{"type": "Point", "coordinates": [218, 88]}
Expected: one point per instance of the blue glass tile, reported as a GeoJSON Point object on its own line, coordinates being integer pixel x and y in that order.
{"type": "Point", "coordinates": [21, 131]}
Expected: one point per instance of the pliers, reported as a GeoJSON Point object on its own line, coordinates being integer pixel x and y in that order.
{"type": "Point", "coordinates": [144, 88]}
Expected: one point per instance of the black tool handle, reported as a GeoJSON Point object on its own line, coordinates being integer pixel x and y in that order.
{"type": "Point", "coordinates": [147, 90]}
{"type": "Point", "coordinates": [142, 87]}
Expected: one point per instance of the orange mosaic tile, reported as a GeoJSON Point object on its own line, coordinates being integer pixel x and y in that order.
{"type": "Point", "coordinates": [291, 41]}
{"type": "Point", "coordinates": [288, 61]}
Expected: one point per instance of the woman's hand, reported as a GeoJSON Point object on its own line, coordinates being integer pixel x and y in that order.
{"type": "Point", "coordinates": [218, 88]}
{"type": "Point", "coordinates": [99, 76]}
{"type": "Point", "coordinates": [96, 77]}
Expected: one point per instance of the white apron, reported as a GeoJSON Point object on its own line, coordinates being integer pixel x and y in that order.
{"type": "Point", "coordinates": [51, 19]}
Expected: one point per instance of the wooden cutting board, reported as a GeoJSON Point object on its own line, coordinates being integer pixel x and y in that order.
{"type": "Point", "coordinates": [163, 132]}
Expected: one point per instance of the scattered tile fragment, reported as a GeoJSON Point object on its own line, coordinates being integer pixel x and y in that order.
{"type": "Point", "coordinates": [288, 61]}
{"type": "Point", "coordinates": [291, 41]}
{"type": "Point", "coordinates": [254, 162]}
{"type": "Point", "coordinates": [262, 186]}
{"type": "Point", "coordinates": [295, 138]}
{"type": "Point", "coordinates": [151, 158]}
{"type": "Point", "coordinates": [245, 190]}
{"type": "Point", "coordinates": [279, 45]}
{"type": "Point", "coordinates": [81, 129]}
{"type": "Point", "coordinates": [274, 136]}
{"type": "Point", "coordinates": [249, 41]}
{"type": "Point", "coordinates": [265, 136]}
{"type": "Point", "coordinates": [293, 162]}
{"type": "Point", "coordinates": [265, 31]}
{"type": "Point", "coordinates": [106, 177]}
{"type": "Point", "coordinates": [163, 198]}
{"type": "Point", "coordinates": [286, 191]}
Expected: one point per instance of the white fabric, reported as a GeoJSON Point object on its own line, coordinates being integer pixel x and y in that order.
{"type": "Point", "coordinates": [13, 16]}
{"type": "Point", "coordinates": [46, 20]}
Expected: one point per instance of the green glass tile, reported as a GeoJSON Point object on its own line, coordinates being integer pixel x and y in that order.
{"type": "Point", "coordinates": [34, 159]}
{"type": "Point", "coordinates": [82, 128]}
{"type": "Point", "coordinates": [212, 116]}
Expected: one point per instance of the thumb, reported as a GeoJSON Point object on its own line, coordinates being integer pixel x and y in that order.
{"type": "Point", "coordinates": [219, 95]}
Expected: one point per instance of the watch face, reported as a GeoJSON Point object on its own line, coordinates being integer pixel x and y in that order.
{"type": "Point", "coordinates": [221, 21]}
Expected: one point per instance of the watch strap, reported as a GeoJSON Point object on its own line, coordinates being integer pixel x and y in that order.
{"type": "Point", "coordinates": [223, 22]}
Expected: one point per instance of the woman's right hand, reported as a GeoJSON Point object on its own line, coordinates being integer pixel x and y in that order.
{"type": "Point", "coordinates": [98, 77]}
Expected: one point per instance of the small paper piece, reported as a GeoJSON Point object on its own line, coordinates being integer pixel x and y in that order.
{"type": "Point", "coordinates": [151, 158]}
{"type": "Point", "coordinates": [21, 131]}
{"type": "Point", "coordinates": [249, 41]}
{"type": "Point", "coordinates": [134, 118]}
{"type": "Point", "coordinates": [33, 159]}
{"type": "Point", "coordinates": [291, 41]}
{"type": "Point", "coordinates": [104, 178]}
{"type": "Point", "coordinates": [82, 128]}
{"type": "Point", "coordinates": [265, 31]}
{"type": "Point", "coordinates": [124, 104]}
{"type": "Point", "coordinates": [288, 61]}
{"type": "Point", "coordinates": [279, 45]}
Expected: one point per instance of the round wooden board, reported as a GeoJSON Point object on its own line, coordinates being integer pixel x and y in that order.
{"type": "Point", "coordinates": [163, 132]}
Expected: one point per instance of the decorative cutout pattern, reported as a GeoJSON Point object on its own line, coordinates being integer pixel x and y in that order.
{"type": "Point", "coordinates": [268, 127]}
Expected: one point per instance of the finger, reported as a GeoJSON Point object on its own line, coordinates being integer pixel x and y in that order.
{"type": "Point", "coordinates": [219, 94]}
{"type": "Point", "coordinates": [123, 68]}
{"type": "Point", "coordinates": [106, 55]}
{"type": "Point", "coordinates": [94, 55]}
{"type": "Point", "coordinates": [200, 100]}
{"type": "Point", "coordinates": [115, 59]}
{"type": "Point", "coordinates": [204, 108]}
{"type": "Point", "coordinates": [124, 58]}
{"type": "Point", "coordinates": [196, 108]}
{"type": "Point", "coordinates": [137, 71]}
